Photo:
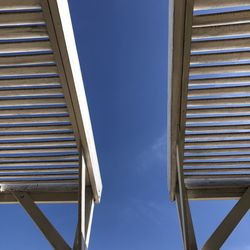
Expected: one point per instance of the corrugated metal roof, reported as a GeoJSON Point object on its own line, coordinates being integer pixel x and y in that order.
{"type": "Point", "coordinates": [37, 138]}
{"type": "Point", "coordinates": [216, 134]}
{"type": "Point", "coordinates": [42, 132]}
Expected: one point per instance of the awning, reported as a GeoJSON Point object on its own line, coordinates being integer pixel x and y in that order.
{"type": "Point", "coordinates": [209, 110]}
{"type": "Point", "coordinates": [44, 120]}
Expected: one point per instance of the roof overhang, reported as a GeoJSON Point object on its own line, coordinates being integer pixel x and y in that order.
{"type": "Point", "coordinates": [178, 59]}
{"type": "Point", "coordinates": [45, 129]}
{"type": "Point", "coordinates": [208, 97]}
{"type": "Point", "coordinates": [61, 32]}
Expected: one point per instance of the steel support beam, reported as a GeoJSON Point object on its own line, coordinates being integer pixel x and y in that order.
{"type": "Point", "coordinates": [55, 239]}
{"type": "Point", "coordinates": [80, 238]}
{"type": "Point", "coordinates": [184, 211]}
{"type": "Point", "coordinates": [41, 197]}
{"type": "Point", "coordinates": [89, 209]}
{"type": "Point", "coordinates": [227, 226]}
{"type": "Point", "coordinates": [82, 205]}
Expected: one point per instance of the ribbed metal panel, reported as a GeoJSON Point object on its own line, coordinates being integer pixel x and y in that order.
{"type": "Point", "coordinates": [219, 4]}
{"type": "Point", "coordinates": [37, 141]}
{"type": "Point", "coordinates": [221, 19]}
{"type": "Point", "coordinates": [217, 136]}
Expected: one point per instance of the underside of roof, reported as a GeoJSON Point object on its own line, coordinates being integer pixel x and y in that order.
{"type": "Point", "coordinates": [209, 97]}
{"type": "Point", "coordinates": [45, 129]}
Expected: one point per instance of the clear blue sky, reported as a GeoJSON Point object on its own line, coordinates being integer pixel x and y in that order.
{"type": "Point", "coordinates": [122, 46]}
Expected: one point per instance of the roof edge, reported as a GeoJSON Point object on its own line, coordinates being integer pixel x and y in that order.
{"type": "Point", "coordinates": [65, 36]}
{"type": "Point", "coordinates": [180, 13]}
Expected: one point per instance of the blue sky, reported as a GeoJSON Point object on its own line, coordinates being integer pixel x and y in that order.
{"type": "Point", "coordinates": [122, 46]}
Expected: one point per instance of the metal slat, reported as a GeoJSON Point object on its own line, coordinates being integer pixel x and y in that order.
{"type": "Point", "coordinates": [26, 113]}
{"type": "Point", "coordinates": [25, 47]}
{"type": "Point", "coordinates": [38, 152]}
{"type": "Point", "coordinates": [218, 130]}
{"type": "Point", "coordinates": [227, 165]}
{"type": "Point", "coordinates": [30, 83]}
{"type": "Point", "coordinates": [219, 83]}
{"type": "Point", "coordinates": [219, 59]}
{"type": "Point", "coordinates": [37, 138]}
{"type": "Point", "coordinates": [209, 170]}
{"type": "Point", "coordinates": [31, 94]}
{"type": "Point", "coordinates": [17, 5]}
{"type": "Point", "coordinates": [39, 170]}
{"type": "Point", "coordinates": [28, 60]}
{"type": "Point", "coordinates": [217, 121]}
{"type": "Point", "coordinates": [34, 122]}
{"type": "Point", "coordinates": [201, 94]}
{"type": "Point", "coordinates": [28, 71]}
{"type": "Point", "coordinates": [218, 113]}
{"type": "Point", "coordinates": [33, 103]}
{"type": "Point", "coordinates": [221, 71]}
{"type": "Point", "coordinates": [216, 152]}
{"type": "Point", "coordinates": [219, 4]}
{"type": "Point", "coordinates": [21, 19]}
{"type": "Point", "coordinates": [49, 182]}
{"type": "Point", "coordinates": [217, 176]}
{"type": "Point", "coordinates": [220, 19]}
{"type": "Point", "coordinates": [36, 176]}
{"type": "Point", "coordinates": [210, 159]}
{"type": "Point", "coordinates": [36, 130]}
{"type": "Point", "coordinates": [217, 145]}
{"type": "Point", "coordinates": [39, 159]}
{"type": "Point", "coordinates": [23, 33]}
{"type": "Point", "coordinates": [218, 103]}
{"type": "Point", "coordinates": [41, 145]}
{"type": "Point", "coordinates": [218, 137]}
{"type": "Point", "coordinates": [217, 188]}
{"type": "Point", "coordinates": [220, 46]}
{"type": "Point", "coordinates": [221, 32]}
{"type": "Point", "coordinates": [38, 165]}
{"type": "Point", "coordinates": [219, 158]}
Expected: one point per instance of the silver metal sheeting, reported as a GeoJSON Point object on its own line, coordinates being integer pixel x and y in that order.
{"type": "Point", "coordinates": [37, 142]}
{"type": "Point", "coordinates": [217, 136]}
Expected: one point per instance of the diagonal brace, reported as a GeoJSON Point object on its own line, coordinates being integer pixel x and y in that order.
{"type": "Point", "coordinates": [227, 226]}
{"type": "Point", "coordinates": [41, 221]}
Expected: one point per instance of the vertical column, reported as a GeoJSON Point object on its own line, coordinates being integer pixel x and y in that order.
{"type": "Point", "coordinates": [80, 237]}
{"type": "Point", "coordinates": [83, 189]}
{"type": "Point", "coordinates": [188, 233]}
{"type": "Point", "coordinates": [89, 210]}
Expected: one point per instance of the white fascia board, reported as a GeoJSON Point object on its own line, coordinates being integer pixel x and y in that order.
{"type": "Point", "coordinates": [176, 87]}
{"type": "Point", "coordinates": [169, 90]}
{"type": "Point", "coordinates": [73, 73]}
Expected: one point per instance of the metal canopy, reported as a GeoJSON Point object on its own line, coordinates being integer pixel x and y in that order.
{"type": "Point", "coordinates": [208, 109]}
{"type": "Point", "coordinates": [46, 138]}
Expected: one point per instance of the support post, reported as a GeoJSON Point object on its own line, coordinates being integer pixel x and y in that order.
{"type": "Point", "coordinates": [41, 221]}
{"type": "Point", "coordinates": [80, 239]}
{"type": "Point", "coordinates": [184, 210]}
{"type": "Point", "coordinates": [89, 210]}
{"type": "Point", "coordinates": [227, 226]}
{"type": "Point", "coordinates": [82, 205]}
